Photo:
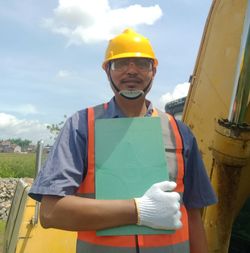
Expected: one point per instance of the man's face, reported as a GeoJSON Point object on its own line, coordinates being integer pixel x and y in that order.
{"type": "Point", "coordinates": [132, 73]}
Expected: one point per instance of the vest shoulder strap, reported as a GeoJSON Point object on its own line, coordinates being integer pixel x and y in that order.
{"type": "Point", "coordinates": [99, 110]}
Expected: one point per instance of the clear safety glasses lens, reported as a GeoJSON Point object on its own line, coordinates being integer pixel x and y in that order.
{"type": "Point", "coordinates": [142, 64]}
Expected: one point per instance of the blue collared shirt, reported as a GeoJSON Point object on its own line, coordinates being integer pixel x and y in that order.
{"type": "Point", "coordinates": [66, 165]}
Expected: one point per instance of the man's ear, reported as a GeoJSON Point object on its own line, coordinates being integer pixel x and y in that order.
{"type": "Point", "coordinates": [154, 71]}
{"type": "Point", "coordinates": [107, 70]}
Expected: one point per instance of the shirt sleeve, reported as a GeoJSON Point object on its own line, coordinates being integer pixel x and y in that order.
{"type": "Point", "coordinates": [198, 191]}
{"type": "Point", "coordinates": [66, 163]}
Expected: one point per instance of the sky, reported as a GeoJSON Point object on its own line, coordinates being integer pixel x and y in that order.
{"type": "Point", "coordinates": [51, 53]}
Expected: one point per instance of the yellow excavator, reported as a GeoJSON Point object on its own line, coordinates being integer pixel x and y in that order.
{"type": "Point", "coordinates": [217, 109]}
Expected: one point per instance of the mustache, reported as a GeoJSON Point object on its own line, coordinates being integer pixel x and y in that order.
{"type": "Point", "coordinates": [131, 79]}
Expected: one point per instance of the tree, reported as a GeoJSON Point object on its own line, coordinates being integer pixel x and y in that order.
{"type": "Point", "coordinates": [24, 144]}
{"type": "Point", "coordinates": [56, 128]}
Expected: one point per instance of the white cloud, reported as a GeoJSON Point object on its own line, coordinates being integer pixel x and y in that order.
{"type": "Point", "coordinates": [93, 21]}
{"type": "Point", "coordinates": [180, 90]}
{"type": "Point", "coordinates": [25, 109]}
{"type": "Point", "coordinates": [12, 127]}
{"type": "Point", "coordinates": [63, 74]}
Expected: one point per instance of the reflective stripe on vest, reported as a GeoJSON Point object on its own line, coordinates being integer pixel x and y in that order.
{"type": "Point", "coordinates": [87, 241]}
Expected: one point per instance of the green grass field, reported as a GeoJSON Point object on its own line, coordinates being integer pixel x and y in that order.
{"type": "Point", "coordinates": [14, 165]}
{"type": "Point", "coordinates": [2, 226]}
{"type": "Point", "coordinates": [17, 165]}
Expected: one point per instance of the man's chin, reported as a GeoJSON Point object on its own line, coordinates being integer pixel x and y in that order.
{"type": "Point", "coordinates": [131, 94]}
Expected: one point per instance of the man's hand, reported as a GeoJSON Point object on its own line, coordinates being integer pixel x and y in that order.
{"type": "Point", "coordinates": [159, 207]}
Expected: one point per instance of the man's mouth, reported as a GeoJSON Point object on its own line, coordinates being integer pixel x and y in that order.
{"type": "Point", "coordinates": [131, 80]}
{"type": "Point", "coordinates": [131, 83]}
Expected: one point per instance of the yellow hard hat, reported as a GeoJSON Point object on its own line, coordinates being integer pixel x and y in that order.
{"type": "Point", "coordinates": [129, 44]}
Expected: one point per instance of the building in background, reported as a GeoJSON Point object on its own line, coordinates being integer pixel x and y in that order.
{"type": "Point", "coordinates": [175, 107]}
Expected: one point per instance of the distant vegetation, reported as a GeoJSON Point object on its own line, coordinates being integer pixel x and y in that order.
{"type": "Point", "coordinates": [56, 128]}
{"type": "Point", "coordinates": [22, 143]}
{"type": "Point", "coordinates": [17, 165]}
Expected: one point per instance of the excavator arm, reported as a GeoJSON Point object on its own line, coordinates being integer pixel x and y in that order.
{"type": "Point", "coordinates": [217, 109]}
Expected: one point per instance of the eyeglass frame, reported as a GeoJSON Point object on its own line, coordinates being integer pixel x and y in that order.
{"type": "Point", "coordinates": [132, 60]}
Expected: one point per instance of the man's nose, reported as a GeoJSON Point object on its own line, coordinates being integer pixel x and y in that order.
{"type": "Point", "coordinates": [132, 68]}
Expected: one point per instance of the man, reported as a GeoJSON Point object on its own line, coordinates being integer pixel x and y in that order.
{"type": "Point", "coordinates": [65, 186]}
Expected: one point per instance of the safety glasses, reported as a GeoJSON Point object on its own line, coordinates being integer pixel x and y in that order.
{"type": "Point", "coordinates": [142, 64]}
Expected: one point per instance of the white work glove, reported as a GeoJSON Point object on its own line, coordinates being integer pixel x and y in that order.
{"type": "Point", "coordinates": [159, 207]}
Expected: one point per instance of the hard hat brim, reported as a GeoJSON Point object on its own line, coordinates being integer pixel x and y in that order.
{"type": "Point", "coordinates": [130, 55]}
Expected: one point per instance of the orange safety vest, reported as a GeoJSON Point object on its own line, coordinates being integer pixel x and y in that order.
{"type": "Point", "coordinates": [89, 242]}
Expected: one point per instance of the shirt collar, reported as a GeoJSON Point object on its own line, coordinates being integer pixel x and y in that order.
{"type": "Point", "coordinates": [115, 112]}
